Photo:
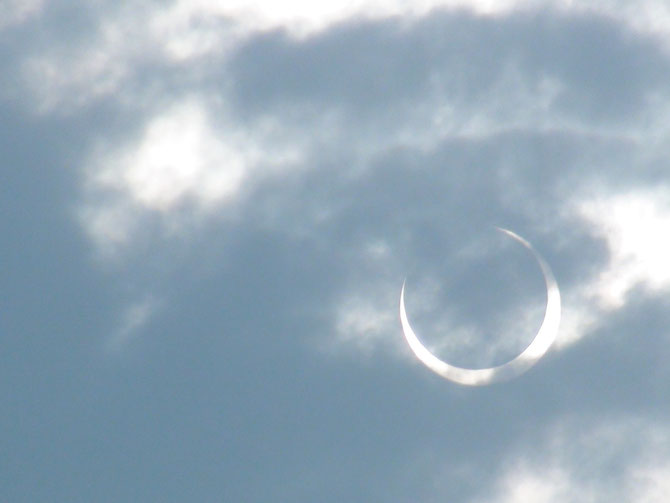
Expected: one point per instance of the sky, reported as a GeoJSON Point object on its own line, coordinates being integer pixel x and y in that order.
{"type": "Point", "coordinates": [208, 210]}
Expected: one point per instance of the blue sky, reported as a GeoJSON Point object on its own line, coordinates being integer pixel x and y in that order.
{"type": "Point", "coordinates": [208, 210]}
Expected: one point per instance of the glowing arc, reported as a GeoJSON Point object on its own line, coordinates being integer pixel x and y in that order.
{"type": "Point", "coordinates": [525, 360]}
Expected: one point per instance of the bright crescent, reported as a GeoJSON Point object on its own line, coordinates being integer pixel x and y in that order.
{"type": "Point", "coordinates": [513, 368]}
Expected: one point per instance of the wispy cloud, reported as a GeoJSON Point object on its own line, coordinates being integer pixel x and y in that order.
{"type": "Point", "coordinates": [133, 319]}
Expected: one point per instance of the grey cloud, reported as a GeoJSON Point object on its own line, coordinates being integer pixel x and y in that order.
{"type": "Point", "coordinates": [423, 203]}
{"type": "Point", "coordinates": [605, 72]}
{"type": "Point", "coordinates": [224, 393]}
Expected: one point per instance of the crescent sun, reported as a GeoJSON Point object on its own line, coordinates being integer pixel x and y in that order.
{"type": "Point", "coordinates": [513, 368]}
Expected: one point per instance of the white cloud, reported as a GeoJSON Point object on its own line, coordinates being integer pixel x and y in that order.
{"type": "Point", "coordinates": [527, 483]}
{"type": "Point", "coordinates": [651, 482]}
{"type": "Point", "coordinates": [365, 317]}
{"type": "Point", "coordinates": [580, 316]}
{"type": "Point", "coordinates": [110, 224]}
{"type": "Point", "coordinates": [182, 164]}
{"type": "Point", "coordinates": [302, 17]}
{"type": "Point", "coordinates": [650, 17]}
{"type": "Point", "coordinates": [635, 227]}
{"type": "Point", "coordinates": [65, 77]}
{"type": "Point", "coordinates": [179, 163]}
{"type": "Point", "coordinates": [179, 157]}
{"type": "Point", "coordinates": [365, 324]}
{"type": "Point", "coordinates": [186, 30]}
{"type": "Point", "coordinates": [626, 459]}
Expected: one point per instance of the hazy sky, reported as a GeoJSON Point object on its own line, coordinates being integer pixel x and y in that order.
{"type": "Point", "coordinates": [208, 210]}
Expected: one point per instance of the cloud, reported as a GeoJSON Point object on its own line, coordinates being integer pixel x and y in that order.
{"type": "Point", "coordinates": [362, 323]}
{"type": "Point", "coordinates": [650, 483]}
{"type": "Point", "coordinates": [183, 162]}
{"type": "Point", "coordinates": [630, 223]}
{"type": "Point", "coordinates": [633, 225]}
{"type": "Point", "coordinates": [300, 120]}
{"type": "Point", "coordinates": [530, 484]}
{"type": "Point", "coordinates": [528, 453]}
{"type": "Point", "coordinates": [114, 47]}
{"type": "Point", "coordinates": [178, 158]}
{"type": "Point", "coordinates": [272, 176]}
{"type": "Point", "coordinates": [302, 19]}
{"type": "Point", "coordinates": [506, 136]}
{"type": "Point", "coordinates": [133, 319]}
{"type": "Point", "coordinates": [579, 461]}
{"type": "Point", "coordinates": [18, 11]}
{"type": "Point", "coordinates": [108, 54]}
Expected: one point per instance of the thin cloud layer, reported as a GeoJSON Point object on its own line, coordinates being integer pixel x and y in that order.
{"type": "Point", "coordinates": [134, 318]}
{"type": "Point", "coordinates": [257, 183]}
